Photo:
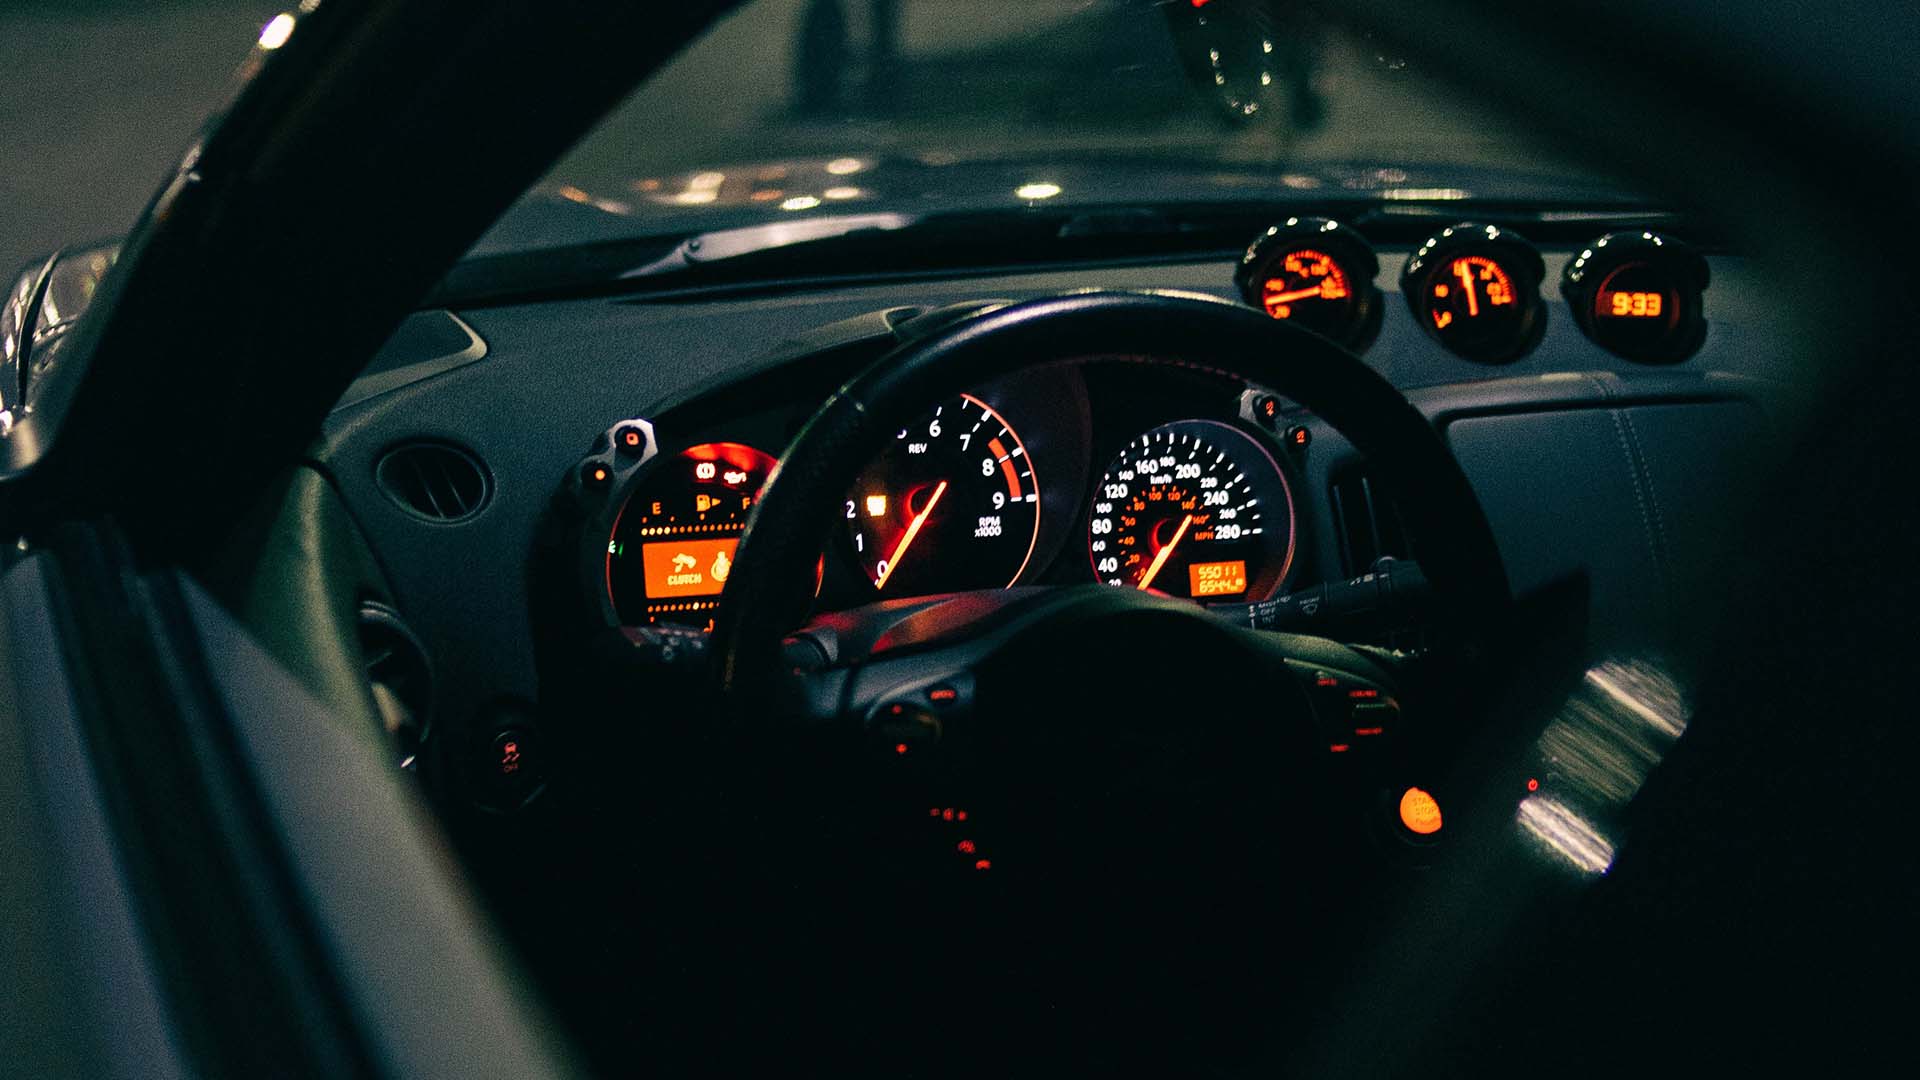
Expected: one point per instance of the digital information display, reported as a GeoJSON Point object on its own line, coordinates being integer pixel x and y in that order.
{"type": "Point", "coordinates": [679, 568]}
{"type": "Point", "coordinates": [1217, 578]}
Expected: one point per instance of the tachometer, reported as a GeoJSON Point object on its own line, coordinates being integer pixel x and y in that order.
{"type": "Point", "coordinates": [1195, 509]}
{"type": "Point", "coordinates": [953, 504]}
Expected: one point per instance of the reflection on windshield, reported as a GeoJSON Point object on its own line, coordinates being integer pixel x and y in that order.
{"type": "Point", "coordinates": [803, 105]}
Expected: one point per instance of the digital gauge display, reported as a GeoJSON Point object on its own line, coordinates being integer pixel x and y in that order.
{"type": "Point", "coordinates": [1194, 509]}
{"type": "Point", "coordinates": [673, 543]}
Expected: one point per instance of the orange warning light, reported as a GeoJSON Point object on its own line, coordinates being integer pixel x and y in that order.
{"type": "Point", "coordinates": [1419, 812]}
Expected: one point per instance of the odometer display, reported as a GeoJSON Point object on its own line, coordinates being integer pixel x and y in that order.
{"type": "Point", "coordinates": [1194, 509]}
{"type": "Point", "coordinates": [953, 504]}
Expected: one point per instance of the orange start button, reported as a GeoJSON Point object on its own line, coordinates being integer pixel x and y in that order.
{"type": "Point", "coordinates": [1419, 812]}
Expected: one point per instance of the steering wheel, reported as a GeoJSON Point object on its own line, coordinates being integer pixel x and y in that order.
{"type": "Point", "coordinates": [772, 576]}
{"type": "Point", "coordinates": [1082, 743]}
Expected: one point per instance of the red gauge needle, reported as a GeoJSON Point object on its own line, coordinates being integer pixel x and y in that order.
{"type": "Point", "coordinates": [1160, 560]}
{"type": "Point", "coordinates": [1290, 297]}
{"type": "Point", "coordinates": [913, 530]}
{"type": "Point", "coordinates": [1465, 273]}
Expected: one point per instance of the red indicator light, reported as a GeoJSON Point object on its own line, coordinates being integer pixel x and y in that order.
{"type": "Point", "coordinates": [899, 748]}
{"type": "Point", "coordinates": [935, 812]}
{"type": "Point", "coordinates": [1325, 680]}
{"type": "Point", "coordinates": [947, 814]}
{"type": "Point", "coordinates": [509, 758]}
{"type": "Point", "coordinates": [965, 847]}
{"type": "Point", "coordinates": [1369, 731]}
{"type": "Point", "coordinates": [630, 437]}
{"type": "Point", "coordinates": [1533, 784]}
{"type": "Point", "coordinates": [1364, 694]}
{"type": "Point", "coordinates": [960, 816]}
{"type": "Point", "coordinates": [983, 864]}
{"type": "Point", "coordinates": [1340, 747]}
{"type": "Point", "coordinates": [943, 694]}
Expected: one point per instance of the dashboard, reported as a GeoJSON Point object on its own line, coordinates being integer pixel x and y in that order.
{"type": "Point", "coordinates": [1598, 392]}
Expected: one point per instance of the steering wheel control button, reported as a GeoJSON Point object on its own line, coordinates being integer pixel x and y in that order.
{"type": "Point", "coordinates": [1419, 812]}
{"type": "Point", "coordinates": [903, 731]}
{"type": "Point", "coordinates": [1475, 289]}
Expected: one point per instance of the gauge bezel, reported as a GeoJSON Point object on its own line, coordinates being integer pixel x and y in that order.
{"type": "Point", "coordinates": [1347, 247]}
{"type": "Point", "coordinates": [1685, 268]}
{"type": "Point", "coordinates": [1519, 258]}
{"type": "Point", "coordinates": [1269, 582]}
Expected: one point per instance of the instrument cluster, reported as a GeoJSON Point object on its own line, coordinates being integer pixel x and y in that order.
{"type": "Point", "coordinates": [1138, 476]}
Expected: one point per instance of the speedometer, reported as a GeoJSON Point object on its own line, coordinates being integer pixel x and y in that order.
{"type": "Point", "coordinates": [952, 504]}
{"type": "Point", "coordinates": [1194, 509]}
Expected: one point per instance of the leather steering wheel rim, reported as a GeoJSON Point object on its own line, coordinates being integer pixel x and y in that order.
{"type": "Point", "coordinates": [772, 580]}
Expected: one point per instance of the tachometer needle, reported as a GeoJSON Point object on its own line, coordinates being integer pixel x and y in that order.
{"type": "Point", "coordinates": [913, 530]}
{"type": "Point", "coordinates": [1160, 560]}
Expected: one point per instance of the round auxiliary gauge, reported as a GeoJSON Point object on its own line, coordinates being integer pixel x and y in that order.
{"type": "Point", "coordinates": [673, 540]}
{"type": "Point", "coordinates": [1638, 295]}
{"type": "Point", "coordinates": [952, 504]}
{"type": "Point", "coordinates": [1476, 290]}
{"type": "Point", "coordinates": [1318, 274]}
{"type": "Point", "coordinates": [1194, 509]}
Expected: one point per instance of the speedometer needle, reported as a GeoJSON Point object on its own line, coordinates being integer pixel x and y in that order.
{"type": "Point", "coordinates": [1160, 560]}
{"type": "Point", "coordinates": [906, 540]}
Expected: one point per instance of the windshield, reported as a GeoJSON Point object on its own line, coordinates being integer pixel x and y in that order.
{"type": "Point", "coordinates": [796, 108]}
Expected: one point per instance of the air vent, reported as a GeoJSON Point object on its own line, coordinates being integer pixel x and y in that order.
{"type": "Point", "coordinates": [1368, 521]}
{"type": "Point", "coordinates": [434, 481]}
{"type": "Point", "coordinates": [400, 678]}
